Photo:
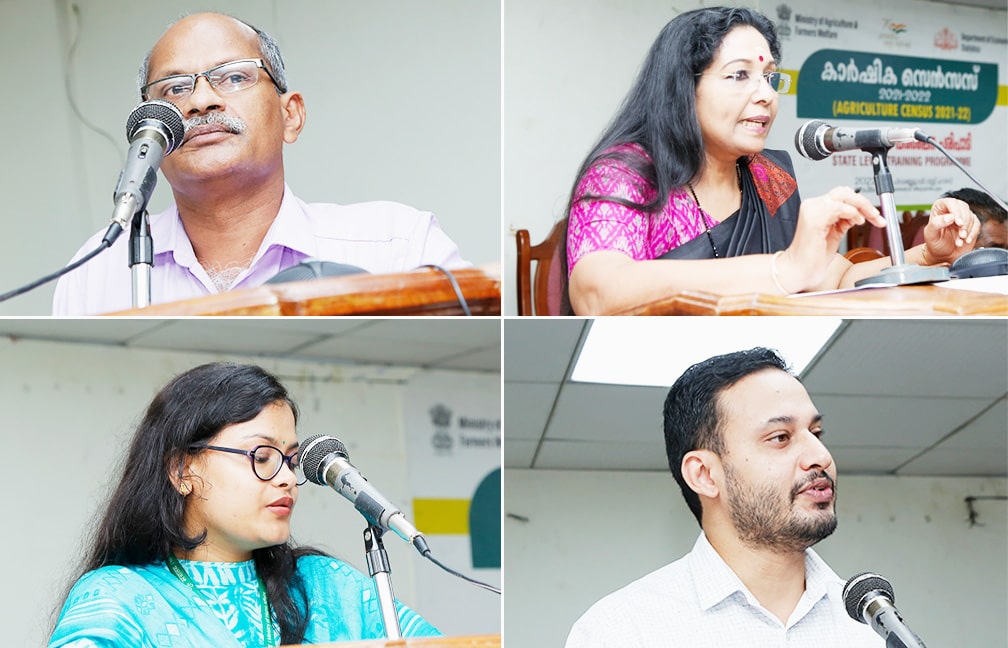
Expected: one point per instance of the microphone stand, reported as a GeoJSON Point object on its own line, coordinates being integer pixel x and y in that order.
{"type": "Point", "coordinates": [900, 273]}
{"type": "Point", "coordinates": [141, 258]}
{"type": "Point", "coordinates": [378, 567]}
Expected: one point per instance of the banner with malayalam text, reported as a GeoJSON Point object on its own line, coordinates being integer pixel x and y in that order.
{"type": "Point", "coordinates": [903, 63]}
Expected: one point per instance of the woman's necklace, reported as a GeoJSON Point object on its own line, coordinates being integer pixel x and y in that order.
{"type": "Point", "coordinates": [269, 634]}
{"type": "Point", "coordinates": [703, 214]}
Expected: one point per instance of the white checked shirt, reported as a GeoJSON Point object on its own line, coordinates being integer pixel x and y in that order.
{"type": "Point", "coordinates": [698, 601]}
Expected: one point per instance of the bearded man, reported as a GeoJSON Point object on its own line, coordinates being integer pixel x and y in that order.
{"type": "Point", "coordinates": [744, 442]}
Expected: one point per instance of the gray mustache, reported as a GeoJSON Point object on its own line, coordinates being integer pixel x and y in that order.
{"type": "Point", "coordinates": [232, 123]}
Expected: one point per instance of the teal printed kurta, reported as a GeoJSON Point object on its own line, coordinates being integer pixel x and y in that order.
{"type": "Point", "coordinates": [148, 607]}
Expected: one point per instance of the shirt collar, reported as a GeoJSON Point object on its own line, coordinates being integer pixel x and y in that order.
{"type": "Point", "coordinates": [714, 581]}
{"type": "Point", "coordinates": [290, 229]}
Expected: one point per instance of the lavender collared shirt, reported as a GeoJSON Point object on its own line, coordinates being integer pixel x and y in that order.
{"type": "Point", "coordinates": [380, 237]}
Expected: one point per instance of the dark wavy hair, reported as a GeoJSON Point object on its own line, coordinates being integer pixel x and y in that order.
{"type": "Point", "coordinates": [659, 113]}
{"type": "Point", "coordinates": [693, 413]}
{"type": "Point", "coordinates": [143, 520]}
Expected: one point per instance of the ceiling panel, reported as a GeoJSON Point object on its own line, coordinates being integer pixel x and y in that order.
{"type": "Point", "coordinates": [460, 344]}
{"type": "Point", "coordinates": [526, 408]}
{"type": "Point", "coordinates": [900, 397]}
{"type": "Point", "coordinates": [987, 432]}
{"type": "Point", "coordinates": [102, 330]}
{"type": "Point", "coordinates": [486, 359]}
{"type": "Point", "coordinates": [269, 337]}
{"type": "Point", "coordinates": [517, 453]}
{"type": "Point", "coordinates": [895, 422]}
{"type": "Point", "coordinates": [914, 358]}
{"type": "Point", "coordinates": [540, 349]}
{"type": "Point", "coordinates": [593, 412]}
{"type": "Point", "coordinates": [958, 462]}
{"type": "Point", "coordinates": [853, 460]}
{"type": "Point", "coordinates": [599, 455]}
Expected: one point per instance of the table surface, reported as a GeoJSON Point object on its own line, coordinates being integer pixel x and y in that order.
{"type": "Point", "coordinates": [898, 301]}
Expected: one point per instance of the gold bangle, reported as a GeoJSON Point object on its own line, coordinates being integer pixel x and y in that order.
{"type": "Point", "coordinates": [773, 273]}
{"type": "Point", "coordinates": [924, 254]}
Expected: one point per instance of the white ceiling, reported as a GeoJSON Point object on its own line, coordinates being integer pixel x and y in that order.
{"type": "Point", "coordinates": [905, 397]}
{"type": "Point", "coordinates": [457, 344]}
{"type": "Point", "coordinates": [990, 4]}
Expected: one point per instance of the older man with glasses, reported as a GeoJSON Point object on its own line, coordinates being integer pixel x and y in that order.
{"type": "Point", "coordinates": [235, 223]}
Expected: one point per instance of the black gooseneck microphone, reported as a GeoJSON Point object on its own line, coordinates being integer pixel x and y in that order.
{"type": "Point", "coordinates": [154, 129]}
{"type": "Point", "coordinates": [869, 599]}
{"type": "Point", "coordinates": [817, 140]}
{"type": "Point", "coordinates": [325, 461]}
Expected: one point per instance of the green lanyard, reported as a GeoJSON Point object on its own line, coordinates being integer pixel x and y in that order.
{"type": "Point", "coordinates": [269, 635]}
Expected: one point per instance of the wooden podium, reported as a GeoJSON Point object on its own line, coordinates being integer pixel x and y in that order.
{"type": "Point", "coordinates": [901, 301]}
{"type": "Point", "coordinates": [419, 292]}
{"type": "Point", "coordinates": [473, 641]}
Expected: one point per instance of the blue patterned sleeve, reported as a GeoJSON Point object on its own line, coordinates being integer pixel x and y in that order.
{"type": "Point", "coordinates": [344, 604]}
{"type": "Point", "coordinates": [96, 615]}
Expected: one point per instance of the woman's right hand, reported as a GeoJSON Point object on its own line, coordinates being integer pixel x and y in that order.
{"type": "Point", "coordinates": [822, 223]}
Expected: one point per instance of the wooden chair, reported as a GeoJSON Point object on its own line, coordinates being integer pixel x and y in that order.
{"type": "Point", "coordinates": [911, 232]}
{"type": "Point", "coordinates": [859, 254]}
{"type": "Point", "coordinates": [540, 293]}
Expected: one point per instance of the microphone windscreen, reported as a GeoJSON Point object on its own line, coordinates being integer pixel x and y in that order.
{"type": "Point", "coordinates": [860, 585]}
{"type": "Point", "coordinates": [162, 111]}
{"type": "Point", "coordinates": [805, 140]}
{"type": "Point", "coordinates": [314, 269]}
{"type": "Point", "coordinates": [314, 450]}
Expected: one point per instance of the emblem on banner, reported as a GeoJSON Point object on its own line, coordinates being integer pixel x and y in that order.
{"type": "Point", "coordinates": [946, 40]}
{"type": "Point", "coordinates": [441, 418]}
{"type": "Point", "coordinates": [784, 21]}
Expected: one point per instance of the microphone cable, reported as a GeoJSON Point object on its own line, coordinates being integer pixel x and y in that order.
{"type": "Point", "coordinates": [921, 136]}
{"type": "Point", "coordinates": [105, 244]}
{"type": "Point", "coordinates": [454, 284]}
{"type": "Point", "coordinates": [486, 586]}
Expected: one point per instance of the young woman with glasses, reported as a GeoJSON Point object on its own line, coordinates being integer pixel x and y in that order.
{"type": "Point", "coordinates": [680, 193]}
{"type": "Point", "coordinates": [194, 548]}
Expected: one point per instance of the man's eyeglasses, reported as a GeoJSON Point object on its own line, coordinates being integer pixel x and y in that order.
{"type": "Point", "coordinates": [225, 79]}
{"type": "Point", "coordinates": [266, 460]}
{"type": "Point", "coordinates": [742, 80]}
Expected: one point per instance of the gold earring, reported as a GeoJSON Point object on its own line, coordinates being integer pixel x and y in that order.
{"type": "Point", "coordinates": [184, 489]}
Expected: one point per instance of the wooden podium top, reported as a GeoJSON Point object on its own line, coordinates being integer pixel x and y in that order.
{"type": "Point", "coordinates": [425, 291]}
{"type": "Point", "coordinates": [472, 641]}
{"type": "Point", "coordinates": [873, 302]}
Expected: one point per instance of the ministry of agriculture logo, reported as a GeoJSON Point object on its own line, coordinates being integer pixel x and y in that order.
{"type": "Point", "coordinates": [441, 418]}
{"type": "Point", "coordinates": [783, 21]}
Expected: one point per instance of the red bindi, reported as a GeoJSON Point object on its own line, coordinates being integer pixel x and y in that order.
{"type": "Point", "coordinates": [761, 59]}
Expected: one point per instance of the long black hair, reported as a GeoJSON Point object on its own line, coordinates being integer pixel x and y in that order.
{"type": "Point", "coordinates": [659, 112]}
{"type": "Point", "coordinates": [143, 520]}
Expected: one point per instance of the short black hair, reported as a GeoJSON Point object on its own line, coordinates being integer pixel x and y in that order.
{"type": "Point", "coordinates": [980, 204]}
{"type": "Point", "coordinates": [692, 415]}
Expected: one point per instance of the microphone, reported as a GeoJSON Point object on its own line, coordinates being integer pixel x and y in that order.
{"type": "Point", "coordinates": [324, 460]}
{"type": "Point", "coordinates": [869, 599]}
{"type": "Point", "coordinates": [154, 129]}
{"type": "Point", "coordinates": [816, 140]}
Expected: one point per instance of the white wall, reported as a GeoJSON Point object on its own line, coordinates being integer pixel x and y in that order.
{"type": "Point", "coordinates": [590, 533]}
{"type": "Point", "coordinates": [567, 65]}
{"type": "Point", "coordinates": [68, 412]}
{"type": "Point", "coordinates": [403, 102]}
